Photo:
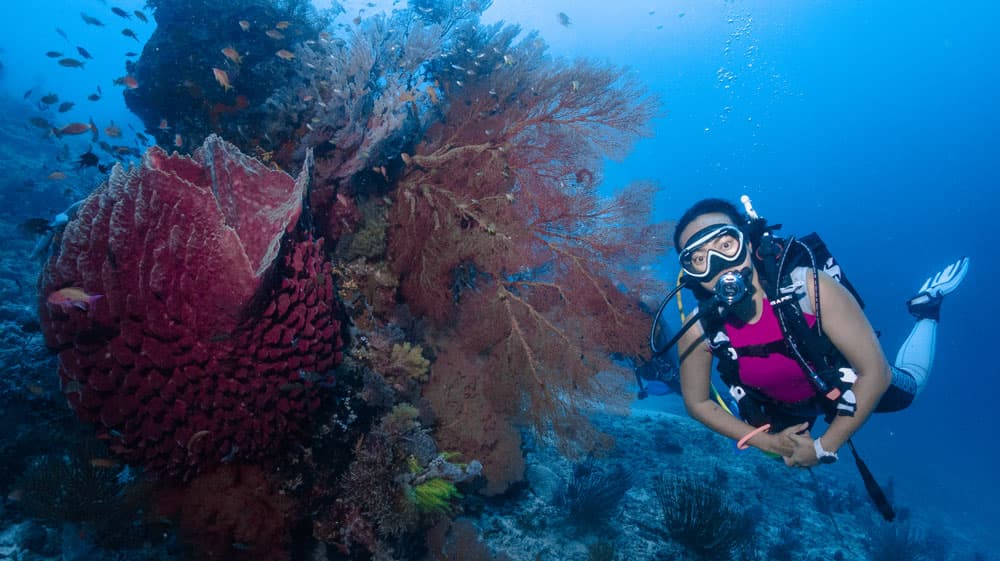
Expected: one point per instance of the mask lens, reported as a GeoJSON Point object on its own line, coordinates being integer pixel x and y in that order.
{"type": "Point", "coordinates": [723, 241]}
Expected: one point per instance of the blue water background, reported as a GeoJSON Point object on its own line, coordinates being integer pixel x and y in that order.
{"type": "Point", "coordinates": [871, 123]}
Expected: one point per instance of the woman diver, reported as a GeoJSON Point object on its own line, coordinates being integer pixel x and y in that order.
{"type": "Point", "coordinates": [790, 336]}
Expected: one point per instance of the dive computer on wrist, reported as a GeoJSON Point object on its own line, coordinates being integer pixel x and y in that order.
{"type": "Point", "coordinates": [822, 455]}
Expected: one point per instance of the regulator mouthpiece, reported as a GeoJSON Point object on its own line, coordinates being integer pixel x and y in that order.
{"type": "Point", "coordinates": [731, 288]}
{"type": "Point", "coordinates": [734, 293]}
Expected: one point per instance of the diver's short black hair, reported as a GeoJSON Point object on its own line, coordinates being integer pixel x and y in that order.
{"type": "Point", "coordinates": [708, 206]}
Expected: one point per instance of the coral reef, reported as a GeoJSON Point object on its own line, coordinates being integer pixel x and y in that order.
{"type": "Point", "coordinates": [474, 410]}
{"type": "Point", "coordinates": [67, 488]}
{"type": "Point", "coordinates": [369, 238]}
{"type": "Point", "coordinates": [397, 483]}
{"type": "Point", "coordinates": [232, 512]}
{"type": "Point", "coordinates": [88, 489]}
{"type": "Point", "coordinates": [459, 541]}
{"type": "Point", "coordinates": [216, 315]}
{"type": "Point", "coordinates": [453, 172]}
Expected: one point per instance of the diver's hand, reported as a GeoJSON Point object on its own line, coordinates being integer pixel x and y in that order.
{"type": "Point", "coordinates": [803, 450]}
{"type": "Point", "coordinates": [781, 443]}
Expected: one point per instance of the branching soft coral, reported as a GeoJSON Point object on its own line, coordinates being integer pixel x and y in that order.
{"type": "Point", "coordinates": [370, 96]}
{"type": "Point", "coordinates": [508, 181]}
{"type": "Point", "coordinates": [498, 226]}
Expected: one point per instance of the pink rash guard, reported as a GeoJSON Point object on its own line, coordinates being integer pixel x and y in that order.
{"type": "Point", "coordinates": [776, 375]}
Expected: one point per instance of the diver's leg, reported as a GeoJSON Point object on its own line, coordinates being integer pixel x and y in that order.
{"type": "Point", "coordinates": [900, 394]}
{"type": "Point", "coordinates": [912, 368]}
{"type": "Point", "coordinates": [915, 358]}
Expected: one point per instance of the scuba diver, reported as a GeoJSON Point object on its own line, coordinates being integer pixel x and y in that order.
{"type": "Point", "coordinates": [790, 337]}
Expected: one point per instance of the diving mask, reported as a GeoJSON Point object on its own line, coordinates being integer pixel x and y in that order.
{"type": "Point", "coordinates": [711, 250]}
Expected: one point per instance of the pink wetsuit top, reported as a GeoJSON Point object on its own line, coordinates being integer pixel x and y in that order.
{"type": "Point", "coordinates": [776, 375]}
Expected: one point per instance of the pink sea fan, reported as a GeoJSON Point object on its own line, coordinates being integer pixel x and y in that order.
{"type": "Point", "coordinates": [218, 314]}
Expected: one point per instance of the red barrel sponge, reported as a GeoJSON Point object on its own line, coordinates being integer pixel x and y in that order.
{"type": "Point", "coordinates": [216, 318]}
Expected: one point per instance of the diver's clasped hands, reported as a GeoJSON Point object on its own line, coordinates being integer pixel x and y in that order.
{"type": "Point", "coordinates": [796, 446]}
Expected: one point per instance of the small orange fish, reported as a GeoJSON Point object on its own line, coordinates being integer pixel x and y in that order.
{"type": "Point", "coordinates": [113, 131]}
{"type": "Point", "coordinates": [274, 34]}
{"type": "Point", "coordinates": [222, 78]}
{"type": "Point", "coordinates": [72, 297]}
{"type": "Point", "coordinates": [178, 140]}
{"type": "Point", "coordinates": [432, 93]}
{"type": "Point", "coordinates": [163, 125]}
{"type": "Point", "coordinates": [282, 25]}
{"type": "Point", "coordinates": [283, 54]}
{"type": "Point", "coordinates": [244, 25]}
{"type": "Point", "coordinates": [232, 55]}
{"type": "Point", "coordinates": [57, 176]}
{"type": "Point", "coordinates": [104, 463]}
{"type": "Point", "coordinates": [130, 82]}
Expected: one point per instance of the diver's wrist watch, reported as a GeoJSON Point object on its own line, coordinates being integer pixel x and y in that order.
{"type": "Point", "coordinates": [822, 455]}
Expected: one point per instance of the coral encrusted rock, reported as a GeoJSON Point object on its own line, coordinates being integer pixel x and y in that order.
{"type": "Point", "coordinates": [216, 319]}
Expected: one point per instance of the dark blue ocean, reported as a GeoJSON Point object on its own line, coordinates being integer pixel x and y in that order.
{"type": "Point", "coordinates": [872, 123]}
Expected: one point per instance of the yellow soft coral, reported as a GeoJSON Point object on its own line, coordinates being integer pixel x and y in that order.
{"type": "Point", "coordinates": [409, 359]}
{"type": "Point", "coordinates": [434, 495]}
